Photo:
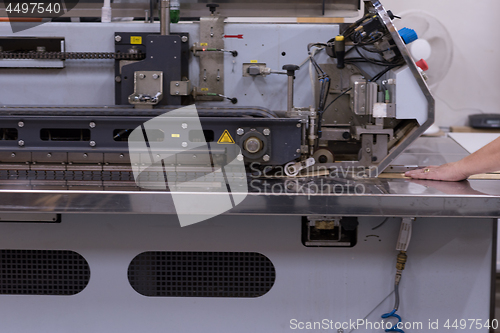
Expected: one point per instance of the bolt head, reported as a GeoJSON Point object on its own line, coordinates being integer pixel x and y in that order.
{"type": "Point", "coordinates": [368, 150]}
{"type": "Point", "coordinates": [49, 155]}
{"type": "Point", "coordinates": [266, 158]}
{"type": "Point", "coordinates": [142, 76]}
{"type": "Point", "coordinates": [118, 79]}
{"type": "Point", "coordinates": [239, 157]}
{"type": "Point", "coordinates": [266, 131]}
{"type": "Point", "coordinates": [13, 155]}
{"type": "Point", "coordinates": [184, 144]}
{"type": "Point", "coordinates": [122, 156]}
{"type": "Point", "coordinates": [299, 125]}
{"type": "Point", "coordinates": [177, 84]}
{"type": "Point", "coordinates": [184, 125]}
{"type": "Point", "coordinates": [155, 76]}
{"type": "Point", "coordinates": [85, 155]}
{"type": "Point", "coordinates": [298, 151]}
{"type": "Point", "coordinates": [240, 131]}
{"type": "Point", "coordinates": [92, 124]}
{"type": "Point", "coordinates": [20, 143]}
{"type": "Point", "coordinates": [20, 124]}
{"type": "Point", "coordinates": [118, 38]}
{"type": "Point", "coordinates": [184, 39]}
{"type": "Point", "coordinates": [92, 143]}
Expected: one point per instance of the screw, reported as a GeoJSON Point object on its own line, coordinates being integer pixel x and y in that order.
{"type": "Point", "coordinates": [184, 39]}
{"type": "Point", "coordinates": [194, 156]}
{"type": "Point", "coordinates": [239, 157]}
{"type": "Point", "coordinates": [177, 93]}
{"type": "Point", "coordinates": [142, 76]}
{"type": "Point", "coordinates": [20, 124]}
{"type": "Point", "coordinates": [49, 155]}
{"type": "Point", "coordinates": [118, 78]}
{"type": "Point", "coordinates": [266, 158]}
{"type": "Point", "coordinates": [92, 124]}
{"type": "Point", "coordinates": [299, 125]}
{"type": "Point", "coordinates": [20, 143]}
{"type": "Point", "coordinates": [298, 151]}
{"type": "Point", "coordinates": [368, 150]}
{"type": "Point", "coordinates": [118, 38]}
{"type": "Point", "coordinates": [13, 155]}
{"type": "Point", "coordinates": [155, 76]}
{"type": "Point", "coordinates": [92, 143]}
{"type": "Point", "coordinates": [184, 125]}
{"type": "Point", "coordinates": [184, 144]}
{"type": "Point", "coordinates": [266, 131]}
{"type": "Point", "coordinates": [85, 155]}
{"type": "Point", "coordinates": [240, 131]}
{"type": "Point", "coordinates": [177, 84]}
{"type": "Point", "coordinates": [122, 156]}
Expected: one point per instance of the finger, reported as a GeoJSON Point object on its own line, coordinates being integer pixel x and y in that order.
{"type": "Point", "coordinates": [414, 172]}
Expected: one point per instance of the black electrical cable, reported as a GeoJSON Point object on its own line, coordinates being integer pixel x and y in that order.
{"type": "Point", "coordinates": [381, 224]}
{"type": "Point", "coordinates": [371, 50]}
{"type": "Point", "coordinates": [382, 73]}
{"type": "Point", "coordinates": [373, 61]}
{"type": "Point", "coordinates": [321, 112]}
{"type": "Point", "coordinates": [336, 98]}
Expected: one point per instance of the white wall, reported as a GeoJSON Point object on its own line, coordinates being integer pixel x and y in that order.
{"type": "Point", "coordinates": [473, 82]}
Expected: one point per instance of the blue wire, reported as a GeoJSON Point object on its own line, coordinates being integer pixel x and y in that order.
{"type": "Point", "coordinates": [393, 328]}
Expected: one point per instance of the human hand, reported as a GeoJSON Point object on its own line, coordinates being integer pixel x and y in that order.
{"type": "Point", "coordinates": [450, 172]}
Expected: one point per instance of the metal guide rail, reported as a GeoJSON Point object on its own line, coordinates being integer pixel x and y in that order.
{"type": "Point", "coordinates": [387, 197]}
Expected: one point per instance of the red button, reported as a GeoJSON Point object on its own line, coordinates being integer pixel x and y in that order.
{"type": "Point", "coordinates": [422, 64]}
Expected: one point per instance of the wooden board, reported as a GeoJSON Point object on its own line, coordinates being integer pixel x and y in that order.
{"type": "Point", "coordinates": [468, 129]}
{"type": "Point", "coordinates": [320, 20]}
{"type": "Point", "coordinates": [482, 176]}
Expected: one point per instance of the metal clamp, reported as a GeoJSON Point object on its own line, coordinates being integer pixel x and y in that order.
{"type": "Point", "coordinates": [293, 169]}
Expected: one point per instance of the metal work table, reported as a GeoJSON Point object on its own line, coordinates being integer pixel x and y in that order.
{"type": "Point", "coordinates": [301, 196]}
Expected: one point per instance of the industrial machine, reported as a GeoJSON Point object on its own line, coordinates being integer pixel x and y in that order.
{"type": "Point", "coordinates": [287, 122]}
{"type": "Point", "coordinates": [370, 100]}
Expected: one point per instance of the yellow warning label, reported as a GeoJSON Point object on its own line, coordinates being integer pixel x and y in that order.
{"type": "Point", "coordinates": [204, 89]}
{"type": "Point", "coordinates": [203, 44]}
{"type": "Point", "coordinates": [135, 40]}
{"type": "Point", "coordinates": [226, 138]}
{"type": "Point", "coordinates": [254, 61]}
{"type": "Point", "coordinates": [176, 135]}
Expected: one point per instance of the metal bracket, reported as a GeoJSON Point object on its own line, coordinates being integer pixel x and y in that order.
{"type": "Point", "coordinates": [180, 88]}
{"type": "Point", "coordinates": [148, 88]}
{"type": "Point", "coordinates": [293, 169]}
{"type": "Point", "coordinates": [211, 63]}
